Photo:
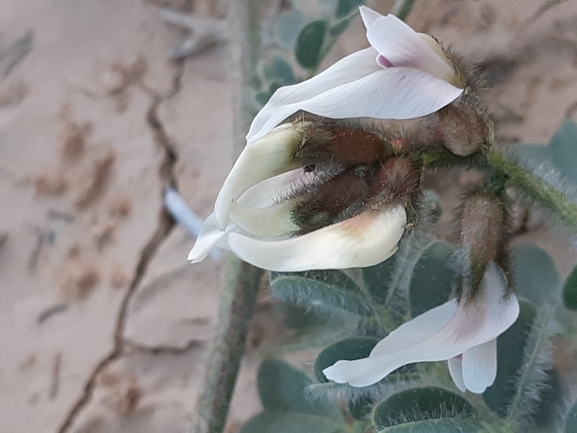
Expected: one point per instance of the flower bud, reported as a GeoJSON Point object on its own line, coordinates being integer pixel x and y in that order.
{"type": "Point", "coordinates": [483, 235]}
{"type": "Point", "coordinates": [313, 195]}
{"type": "Point", "coordinates": [461, 128]}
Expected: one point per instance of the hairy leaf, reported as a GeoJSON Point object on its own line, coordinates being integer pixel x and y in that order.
{"type": "Point", "coordinates": [570, 291]}
{"type": "Point", "coordinates": [348, 349]}
{"type": "Point", "coordinates": [445, 425]}
{"type": "Point", "coordinates": [432, 279]}
{"type": "Point", "coordinates": [420, 404]}
{"type": "Point", "coordinates": [571, 420]}
{"type": "Point", "coordinates": [291, 422]}
{"type": "Point", "coordinates": [535, 275]}
{"type": "Point", "coordinates": [523, 360]}
{"type": "Point", "coordinates": [319, 295]}
{"type": "Point", "coordinates": [563, 148]}
{"type": "Point", "coordinates": [281, 387]}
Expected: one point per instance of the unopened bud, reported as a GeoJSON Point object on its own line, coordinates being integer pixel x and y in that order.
{"type": "Point", "coordinates": [461, 128]}
{"type": "Point", "coordinates": [483, 234]}
{"type": "Point", "coordinates": [343, 145]}
{"type": "Point", "coordinates": [397, 178]}
{"type": "Point", "coordinates": [352, 170]}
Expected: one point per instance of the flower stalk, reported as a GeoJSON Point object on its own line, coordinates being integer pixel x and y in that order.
{"type": "Point", "coordinates": [534, 188]}
{"type": "Point", "coordinates": [402, 8]}
{"type": "Point", "coordinates": [242, 282]}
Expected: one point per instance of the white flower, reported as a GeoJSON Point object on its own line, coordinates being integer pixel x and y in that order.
{"type": "Point", "coordinates": [403, 75]}
{"type": "Point", "coordinates": [253, 215]}
{"type": "Point", "coordinates": [464, 333]}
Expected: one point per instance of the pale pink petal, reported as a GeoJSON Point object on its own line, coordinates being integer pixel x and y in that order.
{"type": "Point", "coordinates": [208, 238]}
{"type": "Point", "coordinates": [346, 70]}
{"type": "Point", "coordinates": [368, 16]}
{"type": "Point", "coordinates": [456, 371]}
{"type": "Point", "coordinates": [364, 372]}
{"type": "Point", "coordinates": [417, 329]}
{"type": "Point", "coordinates": [394, 93]}
{"type": "Point", "coordinates": [270, 156]}
{"type": "Point", "coordinates": [402, 46]}
{"type": "Point", "coordinates": [480, 366]}
{"type": "Point", "coordinates": [361, 241]}
{"type": "Point", "coordinates": [475, 322]}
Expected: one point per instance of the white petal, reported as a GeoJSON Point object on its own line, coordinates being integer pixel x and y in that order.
{"type": "Point", "coordinates": [358, 373]}
{"type": "Point", "coordinates": [480, 366]}
{"type": "Point", "coordinates": [364, 240]}
{"type": "Point", "coordinates": [367, 371]}
{"type": "Point", "coordinates": [475, 322]}
{"type": "Point", "coordinates": [402, 46]}
{"type": "Point", "coordinates": [286, 100]}
{"type": "Point", "coordinates": [268, 157]}
{"type": "Point", "coordinates": [393, 93]}
{"type": "Point", "coordinates": [417, 329]}
{"type": "Point", "coordinates": [269, 221]}
{"type": "Point", "coordinates": [364, 372]}
{"type": "Point", "coordinates": [209, 237]}
{"type": "Point", "coordinates": [368, 16]}
{"type": "Point", "coordinates": [270, 191]}
{"type": "Point", "coordinates": [456, 371]}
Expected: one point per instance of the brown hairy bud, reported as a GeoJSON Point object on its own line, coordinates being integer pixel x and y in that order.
{"type": "Point", "coordinates": [343, 145]}
{"type": "Point", "coordinates": [396, 178]}
{"type": "Point", "coordinates": [355, 190]}
{"type": "Point", "coordinates": [484, 235]}
{"type": "Point", "coordinates": [336, 200]}
{"type": "Point", "coordinates": [463, 129]}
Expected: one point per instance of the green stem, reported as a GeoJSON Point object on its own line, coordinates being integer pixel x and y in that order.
{"type": "Point", "coordinates": [535, 188]}
{"type": "Point", "coordinates": [242, 281]}
{"type": "Point", "coordinates": [236, 308]}
{"type": "Point", "coordinates": [402, 8]}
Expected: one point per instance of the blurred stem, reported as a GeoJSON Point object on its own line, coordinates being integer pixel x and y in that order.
{"type": "Point", "coordinates": [241, 286]}
{"type": "Point", "coordinates": [535, 188]}
{"type": "Point", "coordinates": [402, 8]}
{"type": "Point", "coordinates": [242, 281]}
{"type": "Point", "coordinates": [244, 21]}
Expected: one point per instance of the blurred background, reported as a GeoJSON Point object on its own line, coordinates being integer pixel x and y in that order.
{"type": "Point", "coordinates": [104, 326]}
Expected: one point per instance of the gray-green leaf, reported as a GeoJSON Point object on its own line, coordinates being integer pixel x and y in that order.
{"type": "Point", "coordinates": [319, 295]}
{"type": "Point", "coordinates": [281, 388]}
{"type": "Point", "coordinates": [535, 274]}
{"type": "Point", "coordinates": [570, 291]}
{"type": "Point", "coordinates": [347, 348]}
{"type": "Point", "coordinates": [445, 425]}
{"type": "Point", "coordinates": [563, 148]}
{"type": "Point", "coordinates": [432, 279]}
{"type": "Point", "coordinates": [510, 354]}
{"type": "Point", "coordinates": [309, 44]}
{"type": "Point", "coordinates": [412, 406]}
{"type": "Point", "coordinates": [291, 422]}
{"type": "Point", "coordinates": [571, 420]}
{"type": "Point", "coordinates": [287, 28]}
{"type": "Point", "coordinates": [346, 7]}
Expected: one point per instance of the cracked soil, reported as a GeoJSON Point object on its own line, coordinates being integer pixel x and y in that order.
{"type": "Point", "coordinates": [104, 326]}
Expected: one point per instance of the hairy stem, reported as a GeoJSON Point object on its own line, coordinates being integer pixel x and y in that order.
{"type": "Point", "coordinates": [242, 281]}
{"type": "Point", "coordinates": [237, 306]}
{"type": "Point", "coordinates": [535, 188]}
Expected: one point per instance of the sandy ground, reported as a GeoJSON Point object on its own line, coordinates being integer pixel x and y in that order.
{"type": "Point", "coordinates": [103, 324]}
